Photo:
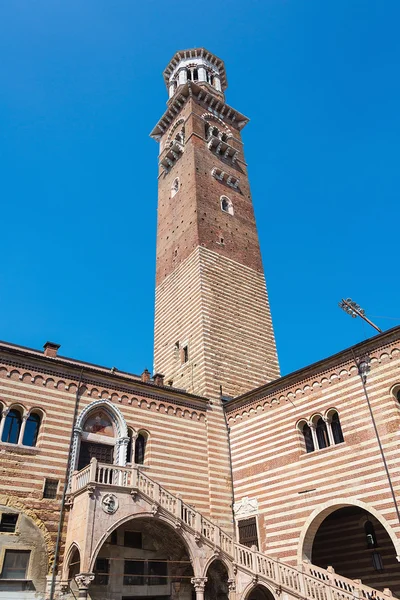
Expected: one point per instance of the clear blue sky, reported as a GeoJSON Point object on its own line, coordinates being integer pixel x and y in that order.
{"type": "Point", "coordinates": [80, 90]}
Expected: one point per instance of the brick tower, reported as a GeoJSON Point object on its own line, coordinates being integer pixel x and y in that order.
{"type": "Point", "coordinates": [213, 328]}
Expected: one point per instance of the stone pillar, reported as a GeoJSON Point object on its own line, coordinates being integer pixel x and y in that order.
{"type": "Point", "coordinates": [329, 430]}
{"type": "Point", "coordinates": [217, 83]}
{"type": "Point", "coordinates": [202, 73]}
{"type": "Point", "coordinates": [22, 430]}
{"type": "Point", "coordinates": [83, 580]}
{"type": "Point", "coordinates": [314, 434]}
{"type": "Point", "coordinates": [199, 584]}
{"type": "Point", "coordinates": [171, 89]}
{"type": "Point", "coordinates": [121, 446]}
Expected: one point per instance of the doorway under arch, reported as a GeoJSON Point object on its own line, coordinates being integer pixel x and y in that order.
{"type": "Point", "coordinates": [143, 557]}
{"type": "Point", "coordinates": [217, 586]}
{"type": "Point", "coordinates": [259, 592]}
{"type": "Point", "coordinates": [357, 545]}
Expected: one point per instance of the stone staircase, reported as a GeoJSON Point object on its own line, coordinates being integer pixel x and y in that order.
{"type": "Point", "coordinates": [307, 581]}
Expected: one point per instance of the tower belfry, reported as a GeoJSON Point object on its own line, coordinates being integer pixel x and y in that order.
{"type": "Point", "coordinates": [213, 328]}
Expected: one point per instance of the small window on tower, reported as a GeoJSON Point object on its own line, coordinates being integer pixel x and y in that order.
{"type": "Point", "coordinates": [175, 187]}
{"type": "Point", "coordinates": [185, 354]}
{"type": "Point", "coordinates": [226, 205]}
{"type": "Point", "coordinates": [189, 74]}
{"type": "Point", "coordinates": [195, 75]}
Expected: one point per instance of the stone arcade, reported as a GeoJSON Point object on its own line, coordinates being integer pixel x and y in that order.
{"type": "Point", "coordinates": [217, 479]}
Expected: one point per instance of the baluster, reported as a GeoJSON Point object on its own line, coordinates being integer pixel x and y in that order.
{"type": "Point", "coordinates": [93, 470]}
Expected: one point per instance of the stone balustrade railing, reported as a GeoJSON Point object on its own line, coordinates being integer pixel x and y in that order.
{"type": "Point", "coordinates": [307, 581]}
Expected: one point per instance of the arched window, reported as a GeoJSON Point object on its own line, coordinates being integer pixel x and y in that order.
{"type": "Point", "coordinates": [215, 131]}
{"type": "Point", "coordinates": [140, 448]}
{"type": "Point", "coordinates": [129, 457]}
{"type": "Point", "coordinates": [370, 534]}
{"type": "Point", "coordinates": [226, 205]}
{"type": "Point", "coordinates": [175, 187]}
{"type": "Point", "coordinates": [322, 433]}
{"type": "Point", "coordinates": [195, 75]}
{"type": "Point", "coordinates": [336, 429]}
{"type": "Point", "coordinates": [31, 432]}
{"type": "Point", "coordinates": [308, 438]}
{"type": "Point", "coordinates": [12, 427]}
{"type": "Point", "coordinates": [189, 74]}
{"type": "Point", "coordinates": [398, 396]}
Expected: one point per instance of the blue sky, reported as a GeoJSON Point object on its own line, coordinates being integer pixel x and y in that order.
{"type": "Point", "coordinates": [80, 90]}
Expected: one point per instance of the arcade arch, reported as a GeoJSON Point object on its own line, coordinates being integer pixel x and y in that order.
{"type": "Point", "coordinates": [339, 535]}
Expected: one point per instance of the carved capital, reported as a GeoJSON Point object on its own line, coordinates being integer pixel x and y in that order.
{"type": "Point", "coordinates": [178, 524]}
{"type": "Point", "coordinates": [154, 509]}
{"type": "Point", "coordinates": [134, 493]}
{"type": "Point", "coordinates": [69, 502]}
{"type": "Point", "coordinates": [83, 580]}
{"type": "Point", "coordinates": [197, 537]}
{"type": "Point", "coordinates": [278, 590]}
{"type": "Point", "coordinates": [254, 579]}
{"type": "Point", "coordinates": [199, 583]}
{"type": "Point", "coordinates": [231, 585]}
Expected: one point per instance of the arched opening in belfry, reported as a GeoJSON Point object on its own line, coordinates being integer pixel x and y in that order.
{"type": "Point", "coordinates": [259, 592]}
{"type": "Point", "coordinates": [357, 545]}
{"type": "Point", "coordinates": [143, 557]}
{"type": "Point", "coordinates": [217, 587]}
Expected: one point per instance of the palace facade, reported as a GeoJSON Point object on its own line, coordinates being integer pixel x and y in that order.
{"type": "Point", "coordinates": [215, 478]}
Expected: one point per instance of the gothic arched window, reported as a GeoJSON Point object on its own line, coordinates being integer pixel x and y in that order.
{"type": "Point", "coordinates": [12, 427]}
{"type": "Point", "coordinates": [129, 457]}
{"type": "Point", "coordinates": [140, 448]}
{"type": "Point", "coordinates": [322, 434]}
{"type": "Point", "coordinates": [336, 429]}
{"type": "Point", "coordinates": [31, 432]}
{"type": "Point", "coordinates": [308, 438]}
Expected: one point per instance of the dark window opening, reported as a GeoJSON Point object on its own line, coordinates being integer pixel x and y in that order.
{"type": "Point", "coordinates": [377, 561]}
{"type": "Point", "coordinates": [8, 522]}
{"type": "Point", "coordinates": [140, 449]}
{"type": "Point", "coordinates": [370, 535]}
{"type": "Point", "coordinates": [114, 538]}
{"type": "Point", "coordinates": [12, 427]}
{"type": "Point", "coordinates": [31, 430]}
{"type": "Point", "coordinates": [398, 396]}
{"type": "Point", "coordinates": [248, 532]}
{"type": "Point", "coordinates": [195, 75]}
{"type": "Point", "coordinates": [133, 539]}
{"type": "Point", "coordinates": [308, 438]}
{"type": "Point", "coordinates": [133, 572]}
{"type": "Point", "coordinates": [157, 573]}
{"type": "Point", "coordinates": [185, 354]}
{"type": "Point", "coordinates": [322, 434]}
{"type": "Point", "coordinates": [15, 564]}
{"type": "Point", "coordinates": [102, 570]}
{"type": "Point", "coordinates": [225, 204]}
{"type": "Point", "coordinates": [336, 429]}
{"type": "Point", "coordinates": [50, 489]}
{"type": "Point", "coordinates": [189, 74]}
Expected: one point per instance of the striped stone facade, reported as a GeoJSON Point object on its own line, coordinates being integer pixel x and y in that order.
{"type": "Point", "coordinates": [297, 490]}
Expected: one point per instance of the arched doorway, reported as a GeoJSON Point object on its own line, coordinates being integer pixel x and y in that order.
{"type": "Point", "coordinates": [143, 557]}
{"type": "Point", "coordinates": [217, 587]}
{"type": "Point", "coordinates": [259, 592]}
{"type": "Point", "coordinates": [356, 544]}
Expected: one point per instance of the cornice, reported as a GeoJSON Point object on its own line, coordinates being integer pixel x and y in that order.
{"type": "Point", "coordinates": [210, 101]}
{"type": "Point", "coordinates": [315, 376]}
